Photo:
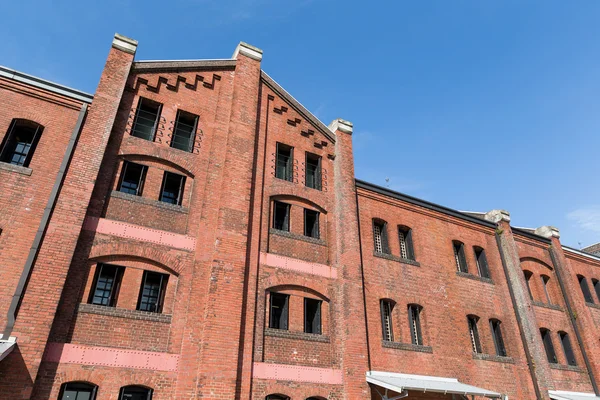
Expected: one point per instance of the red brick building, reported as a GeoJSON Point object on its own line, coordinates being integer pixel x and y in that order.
{"type": "Point", "coordinates": [192, 231]}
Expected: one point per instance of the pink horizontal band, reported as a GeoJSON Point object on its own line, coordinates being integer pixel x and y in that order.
{"type": "Point", "coordinates": [274, 260]}
{"type": "Point", "coordinates": [297, 373]}
{"type": "Point", "coordinates": [67, 353]}
{"type": "Point", "coordinates": [123, 229]}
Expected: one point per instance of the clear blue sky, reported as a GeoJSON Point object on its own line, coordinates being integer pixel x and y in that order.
{"type": "Point", "coordinates": [474, 104]}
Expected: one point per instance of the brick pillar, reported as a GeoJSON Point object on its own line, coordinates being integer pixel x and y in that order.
{"type": "Point", "coordinates": [526, 319]}
{"type": "Point", "coordinates": [351, 339]}
{"type": "Point", "coordinates": [44, 289]}
{"type": "Point", "coordinates": [579, 314]}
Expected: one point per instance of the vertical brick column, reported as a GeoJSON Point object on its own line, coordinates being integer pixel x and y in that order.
{"type": "Point", "coordinates": [579, 315]}
{"type": "Point", "coordinates": [350, 311]}
{"type": "Point", "coordinates": [526, 319]}
{"type": "Point", "coordinates": [44, 289]}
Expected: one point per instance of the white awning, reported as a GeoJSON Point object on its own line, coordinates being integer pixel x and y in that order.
{"type": "Point", "coordinates": [562, 395]}
{"type": "Point", "coordinates": [6, 346]}
{"type": "Point", "coordinates": [401, 382]}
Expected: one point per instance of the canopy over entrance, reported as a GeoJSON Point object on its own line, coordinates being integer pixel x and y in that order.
{"type": "Point", "coordinates": [403, 382]}
{"type": "Point", "coordinates": [561, 395]}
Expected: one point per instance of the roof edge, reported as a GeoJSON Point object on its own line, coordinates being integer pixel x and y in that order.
{"type": "Point", "coordinates": [40, 83]}
{"type": "Point", "coordinates": [581, 253]}
{"type": "Point", "coordinates": [528, 234]}
{"type": "Point", "coordinates": [182, 65]}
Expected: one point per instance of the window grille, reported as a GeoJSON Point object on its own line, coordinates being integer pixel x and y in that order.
{"type": "Point", "coordinates": [278, 316]}
{"type": "Point", "coordinates": [312, 316]}
{"type": "Point", "coordinates": [311, 223]}
{"type": "Point", "coordinates": [497, 337]}
{"type": "Point", "coordinates": [184, 132]}
{"type": "Point", "coordinates": [313, 171]}
{"type": "Point", "coordinates": [474, 334]}
{"type": "Point", "coordinates": [380, 237]}
{"type": "Point", "coordinates": [386, 320]}
{"type": "Point", "coordinates": [146, 119]}
{"type": "Point", "coordinates": [20, 142]}
{"type": "Point", "coordinates": [548, 346]}
{"type": "Point", "coordinates": [406, 243]}
{"type": "Point", "coordinates": [459, 257]}
{"type": "Point", "coordinates": [414, 319]}
{"type": "Point", "coordinates": [566, 345]}
{"type": "Point", "coordinates": [152, 292]}
{"type": "Point", "coordinates": [281, 216]}
{"type": "Point", "coordinates": [284, 162]}
{"type": "Point", "coordinates": [172, 188]}
{"type": "Point", "coordinates": [106, 286]}
{"type": "Point", "coordinates": [132, 178]}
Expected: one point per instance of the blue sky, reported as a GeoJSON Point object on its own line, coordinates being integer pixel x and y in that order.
{"type": "Point", "coordinates": [474, 104]}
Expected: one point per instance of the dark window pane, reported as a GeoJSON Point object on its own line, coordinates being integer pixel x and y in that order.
{"type": "Point", "coordinates": [596, 284]}
{"type": "Point", "coordinates": [152, 292]}
{"type": "Point", "coordinates": [386, 320]}
{"type": "Point", "coordinates": [20, 142]}
{"type": "Point", "coordinates": [528, 276]}
{"type": "Point", "coordinates": [172, 188]}
{"type": "Point", "coordinates": [406, 243]}
{"type": "Point", "coordinates": [474, 334]}
{"type": "Point", "coordinates": [278, 317]}
{"type": "Point", "coordinates": [497, 337]}
{"type": "Point", "coordinates": [281, 216]}
{"type": "Point", "coordinates": [146, 119]}
{"type": "Point", "coordinates": [548, 346]}
{"type": "Point", "coordinates": [132, 178]}
{"type": "Point", "coordinates": [106, 285]}
{"type": "Point", "coordinates": [312, 316]}
{"type": "Point", "coordinates": [482, 264]}
{"type": "Point", "coordinates": [284, 162]}
{"type": "Point", "coordinates": [566, 345]}
{"type": "Point", "coordinates": [459, 256]}
{"type": "Point", "coordinates": [545, 280]}
{"type": "Point", "coordinates": [380, 238]}
{"type": "Point", "coordinates": [311, 223]}
{"type": "Point", "coordinates": [414, 320]}
{"type": "Point", "coordinates": [276, 397]}
{"type": "Point", "coordinates": [135, 393]}
{"type": "Point", "coordinates": [313, 171]}
{"type": "Point", "coordinates": [585, 289]}
{"type": "Point", "coordinates": [78, 391]}
{"type": "Point", "coordinates": [184, 133]}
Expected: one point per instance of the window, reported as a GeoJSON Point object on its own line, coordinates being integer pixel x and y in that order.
{"type": "Point", "coordinates": [281, 216]}
{"type": "Point", "coordinates": [595, 282]}
{"type": "Point", "coordinates": [528, 275]}
{"type": "Point", "coordinates": [277, 397]}
{"type": "Point", "coordinates": [132, 178]}
{"type": "Point", "coordinates": [474, 333]}
{"type": "Point", "coordinates": [311, 223]}
{"type": "Point", "coordinates": [406, 243]}
{"type": "Point", "coordinates": [414, 322]}
{"type": "Point", "coordinates": [77, 391]}
{"type": "Point", "coordinates": [312, 316]}
{"type": "Point", "coordinates": [184, 133]}
{"type": "Point", "coordinates": [386, 320]}
{"type": "Point", "coordinates": [587, 295]}
{"type": "Point", "coordinates": [146, 119]}
{"type": "Point", "coordinates": [548, 346]}
{"type": "Point", "coordinates": [284, 162]}
{"type": "Point", "coordinates": [106, 285]}
{"type": "Point", "coordinates": [313, 171]}
{"type": "Point", "coordinates": [172, 188]}
{"type": "Point", "coordinates": [459, 256]}
{"type": "Point", "coordinates": [566, 345]}
{"type": "Point", "coordinates": [497, 337]}
{"type": "Point", "coordinates": [278, 317]}
{"type": "Point", "coordinates": [380, 236]}
{"type": "Point", "coordinates": [20, 142]}
{"type": "Point", "coordinates": [545, 280]}
{"type": "Point", "coordinates": [482, 264]}
{"type": "Point", "coordinates": [152, 293]}
{"type": "Point", "coordinates": [135, 393]}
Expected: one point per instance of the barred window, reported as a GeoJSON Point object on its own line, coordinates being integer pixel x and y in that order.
{"type": "Point", "coordinates": [284, 162]}
{"type": "Point", "coordinates": [380, 236]}
{"type": "Point", "coordinates": [184, 132]}
{"type": "Point", "coordinates": [386, 307]}
{"type": "Point", "coordinates": [146, 119]}
{"type": "Point", "coordinates": [459, 256]}
{"type": "Point", "coordinates": [406, 243]}
{"type": "Point", "coordinates": [313, 171]}
{"type": "Point", "coordinates": [474, 333]}
{"type": "Point", "coordinates": [414, 321]}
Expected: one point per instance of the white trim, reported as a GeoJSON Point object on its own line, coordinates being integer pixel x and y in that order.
{"type": "Point", "coordinates": [247, 50]}
{"type": "Point", "coordinates": [124, 43]}
{"type": "Point", "coordinates": [581, 253]}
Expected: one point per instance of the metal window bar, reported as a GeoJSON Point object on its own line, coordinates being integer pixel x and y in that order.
{"type": "Point", "coordinates": [474, 334]}
{"type": "Point", "coordinates": [106, 285]}
{"type": "Point", "coordinates": [568, 350]}
{"type": "Point", "coordinates": [20, 142]}
{"type": "Point", "coordinates": [146, 119]}
{"type": "Point", "coordinates": [285, 158]}
{"type": "Point", "coordinates": [403, 249]}
{"type": "Point", "coordinates": [152, 292]}
{"type": "Point", "coordinates": [548, 346]}
{"type": "Point", "coordinates": [459, 256]}
{"type": "Point", "coordinates": [313, 171]}
{"type": "Point", "coordinates": [415, 325]}
{"type": "Point", "coordinates": [386, 320]}
{"type": "Point", "coordinates": [377, 238]}
{"type": "Point", "coordinates": [171, 190]}
{"type": "Point", "coordinates": [184, 133]}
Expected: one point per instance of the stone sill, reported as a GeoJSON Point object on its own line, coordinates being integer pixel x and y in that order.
{"type": "Point", "coordinates": [150, 202]}
{"type": "Point", "coordinates": [309, 337]}
{"type": "Point", "coordinates": [492, 357]}
{"type": "Point", "coordinates": [593, 305]}
{"type": "Point", "coordinates": [396, 258]}
{"type": "Point", "coordinates": [15, 168]}
{"type": "Point", "coordinates": [406, 346]}
{"type": "Point", "coordinates": [123, 313]}
{"type": "Point", "coordinates": [474, 277]}
{"type": "Point", "coordinates": [562, 367]}
{"type": "Point", "coordinates": [549, 306]}
{"type": "Point", "coordinates": [295, 236]}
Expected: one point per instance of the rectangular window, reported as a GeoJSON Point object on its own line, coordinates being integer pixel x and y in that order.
{"type": "Point", "coordinates": [312, 316]}
{"type": "Point", "coordinates": [548, 346]}
{"type": "Point", "coordinates": [278, 317]}
{"type": "Point", "coordinates": [497, 337]}
{"type": "Point", "coordinates": [132, 178]}
{"type": "Point", "coordinates": [284, 162]}
{"type": "Point", "coordinates": [585, 289]}
{"type": "Point", "coordinates": [414, 321]}
{"type": "Point", "coordinates": [20, 142]}
{"type": "Point", "coordinates": [406, 243]}
{"type": "Point", "coordinates": [474, 334]}
{"type": "Point", "coordinates": [459, 256]}
{"type": "Point", "coordinates": [281, 216]}
{"type": "Point", "coordinates": [566, 345]}
{"type": "Point", "coordinates": [146, 119]}
{"type": "Point", "coordinates": [482, 264]}
{"type": "Point", "coordinates": [152, 293]}
{"type": "Point", "coordinates": [380, 237]}
{"type": "Point", "coordinates": [545, 280]}
{"type": "Point", "coordinates": [386, 320]}
{"type": "Point", "coordinates": [184, 133]}
{"type": "Point", "coordinates": [107, 282]}
{"type": "Point", "coordinates": [172, 188]}
{"type": "Point", "coordinates": [313, 171]}
{"type": "Point", "coordinates": [311, 223]}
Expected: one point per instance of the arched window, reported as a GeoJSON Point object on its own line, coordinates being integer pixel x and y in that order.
{"type": "Point", "coordinates": [548, 346]}
{"type": "Point", "coordinates": [386, 307]}
{"type": "Point", "coordinates": [459, 256]}
{"type": "Point", "coordinates": [497, 337]}
{"type": "Point", "coordinates": [20, 142]}
{"type": "Point", "coordinates": [380, 238]}
{"type": "Point", "coordinates": [482, 264]}
{"type": "Point", "coordinates": [414, 323]}
{"type": "Point", "coordinates": [77, 391]}
{"type": "Point", "coordinates": [585, 289]}
{"type": "Point", "coordinates": [566, 345]}
{"type": "Point", "coordinates": [406, 242]}
{"type": "Point", "coordinates": [528, 275]}
{"type": "Point", "coordinates": [277, 397]}
{"type": "Point", "coordinates": [596, 284]}
{"type": "Point", "coordinates": [474, 333]}
{"type": "Point", "coordinates": [545, 282]}
{"type": "Point", "coordinates": [134, 392]}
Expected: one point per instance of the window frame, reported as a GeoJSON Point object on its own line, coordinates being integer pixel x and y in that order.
{"type": "Point", "coordinates": [405, 236]}
{"type": "Point", "coordinates": [528, 274]}
{"type": "Point", "coordinates": [113, 296]}
{"type": "Point", "coordinates": [315, 326]}
{"type": "Point", "coordinates": [548, 346]}
{"type": "Point", "coordinates": [386, 307]}
{"type": "Point", "coordinates": [585, 289]}
{"type": "Point", "coordinates": [286, 220]}
{"type": "Point", "coordinates": [458, 248]}
{"type": "Point", "coordinates": [283, 320]}
{"type": "Point", "coordinates": [179, 198]}
{"type": "Point", "coordinates": [545, 279]}
{"type": "Point", "coordinates": [483, 267]}
{"type": "Point", "coordinates": [472, 321]}
{"type": "Point", "coordinates": [316, 225]}
{"type": "Point", "coordinates": [318, 175]}
{"type": "Point", "coordinates": [194, 126]}
{"type": "Point", "coordinates": [159, 105]}
{"type": "Point", "coordinates": [141, 180]}
{"type": "Point", "coordinates": [414, 324]}
{"type": "Point", "coordinates": [162, 289]}
{"type": "Point", "coordinates": [92, 389]}
{"type": "Point", "coordinates": [383, 236]}
{"type": "Point", "coordinates": [277, 397]}
{"type": "Point", "coordinates": [9, 141]}
{"type": "Point", "coordinates": [289, 165]}
{"type": "Point", "coordinates": [136, 388]}
{"type": "Point", "coordinates": [565, 342]}
{"type": "Point", "coordinates": [496, 329]}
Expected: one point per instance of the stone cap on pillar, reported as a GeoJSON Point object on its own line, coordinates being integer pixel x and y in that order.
{"type": "Point", "coordinates": [548, 232]}
{"type": "Point", "coordinates": [341, 125]}
{"type": "Point", "coordinates": [496, 216]}
{"type": "Point", "coordinates": [248, 50]}
{"type": "Point", "coordinates": [124, 43]}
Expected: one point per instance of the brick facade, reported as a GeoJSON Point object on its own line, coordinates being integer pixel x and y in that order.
{"type": "Point", "coordinates": [250, 303]}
